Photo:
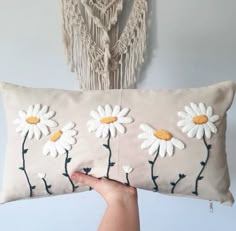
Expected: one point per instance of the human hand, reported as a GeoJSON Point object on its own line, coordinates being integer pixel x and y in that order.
{"type": "Point", "coordinates": [112, 191]}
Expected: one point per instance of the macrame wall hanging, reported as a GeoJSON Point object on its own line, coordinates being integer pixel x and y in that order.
{"type": "Point", "coordinates": [103, 56]}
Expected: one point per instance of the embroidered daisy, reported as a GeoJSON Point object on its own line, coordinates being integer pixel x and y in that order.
{"type": "Point", "coordinates": [35, 121]}
{"type": "Point", "coordinates": [61, 141]}
{"type": "Point", "coordinates": [42, 176]}
{"type": "Point", "coordinates": [108, 119]}
{"type": "Point", "coordinates": [198, 120]}
{"type": "Point", "coordinates": [159, 140]}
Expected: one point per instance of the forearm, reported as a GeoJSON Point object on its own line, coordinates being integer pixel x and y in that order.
{"type": "Point", "coordinates": [121, 215]}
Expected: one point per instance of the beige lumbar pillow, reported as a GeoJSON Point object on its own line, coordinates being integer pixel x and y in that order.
{"type": "Point", "coordinates": [167, 141]}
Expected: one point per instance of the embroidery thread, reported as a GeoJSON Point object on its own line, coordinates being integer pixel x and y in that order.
{"type": "Point", "coordinates": [47, 187]}
{"type": "Point", "coordinates": [87, 171]}
{"type": "Point", "coordinates": [174, 184]}
{"type": "Point", "coordinates": [198, 121]}
{"type": "Point", "coordinates": [127, 169]}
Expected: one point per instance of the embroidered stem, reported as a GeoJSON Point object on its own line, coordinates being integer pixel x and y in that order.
{"type": "Point", "coordinates": [181, 176]}
{"type": "Point", "coordinates": [47, 186]}
{"type": "Point", "coordinates": [24, 151]}
{"type": "Point", "coordinates": [67, 160]}
{"type": "Point", "coordinates": [127, 179]}
{"type": "Point", "coordinates": [152, 174]}
{"type": "Point", "coordinates": [87, 170]}
{"type": "Point", "coordinates": [203, 163]}
{"type": "Point", "coordinates": [110, 164]}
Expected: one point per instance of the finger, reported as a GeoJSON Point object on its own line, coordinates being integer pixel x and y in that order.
{"type": "Point", "coordinates": [85, 179]}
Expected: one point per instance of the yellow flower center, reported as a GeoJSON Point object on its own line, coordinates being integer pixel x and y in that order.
{"type": "Point", "coordinates": [109, 120]}
{"type": "Point", "coordinates": [56, 136]}
{"type": "Point", "coordinates": [32, 120]}
{"type": "Point", "coordinates": [201, 119]}
{"type": "Point", "coordinates": [163, 135]}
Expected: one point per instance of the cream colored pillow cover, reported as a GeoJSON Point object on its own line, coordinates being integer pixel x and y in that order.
{"type": "Point", "coordinates": [167, 141]}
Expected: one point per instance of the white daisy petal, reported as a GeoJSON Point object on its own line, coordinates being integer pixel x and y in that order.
{"type": "Point", "coordinates": [147, 128]}
{"type": "Point", "coordinates": [101, 111]}
{"type": "Point", "coordinates": [50, 123]}
{"type": "Point", "coordinates": [65, 145]}
{"type": "Point", "coordinates": [209, 111]}
{"type": "Point", "coordinates": [207, 131]}
{"type": "Point", "coordinates": [22, 114]}
{"type": "Point", "coordinates": [41, 175]}
{"type": "Point", "coordinates": [182, 114]}
{"type": "Point", "coordinates": [105, 131]}
{"type": "Point", "coordinates": [195, 108]}
{"type": "Point", "coordinates": [19, 128]}
{"type": "Point", "coordinates": [144, 136]}
{"type": "Point", "coordinates": [202, 108]}
{"type": "Point", "coordinates": [93, 127]}
{"type": "Point", "coordinates": [125, 120]}
{"type": "Point", "coordinates": [116, 110]}
{"type": "Point", "coordinates": [120, 128]}
{"type": "Point", "coordinates": [123, 112]}
{"type": "Point", "coordinates": [43, 128]}
{"type": "Point", "coordinates": [68, 126]}
{"type": "Point", "coordinates": [60, 148]}
{"type": "Point", "coordinates": [36, 109]}
{"type": "Point", "coordinates": [99, 131]}
{"type": "Point", "coordinates": [95, 115]}
{"type": "Point", "coordinates": [53, 150]}
{"type": "Point", "coordinates": [190, 111]}
{"type": "Point", "coordinates": [70, 132]}
{"type": "Point", "coordinates": [46, 148]}
{"type": "Point", "coordinates": [212, 127]}
{"type": "Point", "coordinates": [108, 110]}
{"type": "Point", "coordinates": [25, 130]}
{"type": "Point", "coordinates": [214, 118]}
{"type": "Point", "coordinates": [127, 169]}
{"type": "Point", "coordinates": [200, 132]}
{"type": "Point", "coordinates": [188, 127]}
{"type": "Point", "coordinates": [43, 110]}
{"type": "Point", "coordinates": [37, 132]}
{"type": "Point", "coordinates": [184, 122]}
{"type": "Point", "coordinates": [147, 143]}
{"type": "Point", "coordinates": [31, 133]}
{"type": "Point", "coordinates": [193, 131]}
{"type": "Point", "coordinates": [112, 130]}
{"type": "Point", "coordinates": [170, 148]}
{"type": "Point", "coordinates": [49, 115]}
{"type": "Point", "coordinates": [177, 143]}
{"type": "Point", "coordinates": [69, 139]}
{"type": "Point", "coordinates": [30, 110]}
{"type": "Point", "coordinates": [163, 147]}
{"type": "Point", "coordinates": [154, 147]}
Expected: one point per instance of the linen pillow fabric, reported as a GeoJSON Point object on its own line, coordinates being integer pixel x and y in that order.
{"type": "Point", "coordinates": [167, 141]}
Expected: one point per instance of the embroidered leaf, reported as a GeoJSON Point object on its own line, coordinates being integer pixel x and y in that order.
{"type": "Point", "coordinates": [182, 176]}
{"type": "Point", "coordinates": [150, 162]}
{"type": "Point", "coordinates": [25, 151]}
{"type": "Point", "coordinates": [77, 186]}
{"type": "Point", "coordinates": [195, 193]}
{"type": "Point", "coordinates": [112, 164]}
{"type": "Point", "coordinates": [33, 187]}
{"type": "Point", "coordinates": [68, 160]}
{"type": "Point", "coordinates": [49, 186]}
{"type": "Point", "coordinates": [172, 183]}
{"type": "Point", "coordinates": [155, 189]}
{"type": "Point", "coordinates": [106, 146]}
{"type": "Point", "coordinates": [155, 177]}
{"type": "Point", "coordinates": [200, 178]}
{"type": "Point", "coordinates": [126, 184]}
{"type": "Point", "coordinates": [203, 163]}
{"type": "Point", "coordinates": [87, 170]}
{"type": "Point", "coordinates": [209, 146]}
{"type": "Point", "coordinates": [65, 174]}
{"type": "Point", "coordinates": [21, 168]}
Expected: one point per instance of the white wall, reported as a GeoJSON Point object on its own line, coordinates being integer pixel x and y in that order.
{"type": "Point", "coordinates": [191, 44]}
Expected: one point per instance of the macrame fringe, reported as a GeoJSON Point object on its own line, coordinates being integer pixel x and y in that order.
{"type": "Point", "coordinates": [101, 56]}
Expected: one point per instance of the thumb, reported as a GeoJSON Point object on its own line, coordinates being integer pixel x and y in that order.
{"type": "Point", "coordinates": [85, 179]}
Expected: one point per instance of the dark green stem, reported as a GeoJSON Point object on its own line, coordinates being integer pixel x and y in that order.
{"type": "Point", "coordinates": [67, 160]}
{"type": "Point", "coordinates": [127, 179]}
{"type": "Point", "coordinates": [181, 176]}
{"type": "Point", "coordinates": [152, 171]}
{"type": "Point", "coordinates": [24, 151]}
{"type": "Point", "coordinates": [200, 177]}
{"type": "Point", "coordinates": [90, 188]}
{"type": "Point", "coordinates": [110, 164]}
{"type": "Point", "coordinates": [47, 186]}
